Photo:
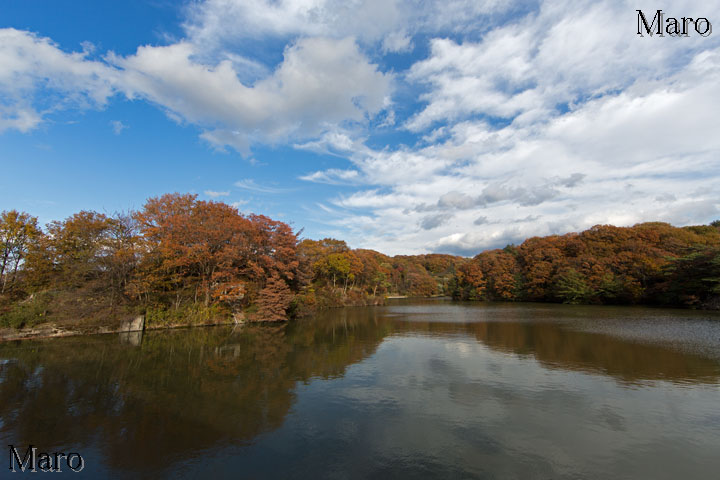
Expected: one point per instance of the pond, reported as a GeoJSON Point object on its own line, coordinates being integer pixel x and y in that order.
{"type": "Point", "coordinates": [413, 389]}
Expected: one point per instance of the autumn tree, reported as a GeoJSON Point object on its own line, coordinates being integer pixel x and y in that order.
{"type": "Point", "coordinates": [336, 265]}
{"type": "Point", "coordinates": [375, 271]}
{"type": "Point", "coordinates": [270, 248]}
{"type": "Point", "coordinates": [648, 262]}
{"type": "Point", "coordinates": [313, 255]}
{"type": "Point", "coordinates": [540, 258]}
{"type": "Point", "coordinates": [72, 254]}
{"type": "Point", "coordinates": [470, 281]}
{"type": "Point", "coordinates": [274, 300]}
{"type": "Point", "coordinates": [123, 253]}
{"type": "Point", "coordinates": [18, 232]}
{"type": "Point", "coordinates": [192, 247]}
{"type": "Point", "coordinates": [442, 268]}
{"type": "Point", "coordinates": [207, 251]}
{"type": "Point", "coordinates": [501, 273]}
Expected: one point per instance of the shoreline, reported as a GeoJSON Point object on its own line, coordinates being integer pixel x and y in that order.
{"type": "Point", "coordinates": [53, 331]}
{"type": "Point", "coordinates": [139, 324]}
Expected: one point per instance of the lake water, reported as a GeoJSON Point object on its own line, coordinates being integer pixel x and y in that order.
{"type": "Point", "coordinates": [429, 389]}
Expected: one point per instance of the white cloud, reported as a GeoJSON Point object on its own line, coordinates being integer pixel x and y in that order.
{"type": "Point", "coordinates": [215, 194]}
{"type": "Point", "coordinates": [397, 42]}
{"type": "Point", "coordinates": [456, 200]}
{"type": "Point", "coordinates": [644, 149]}
{"type": "Point", "coordinates": [332, 176]}
{"type": "Point", "coordinates": [249, 184]}
{"type": "Point", "coordinates": [320, 83]}
{"type": "Point", "coordinates": [37, 78]}
{"type": "Point", "coordinates": [118, 126]}
{"type": "Point", "coordinates": [215, 24]}
{"type": "Point", "coordinates": [333, 142]}
{"type": "Point", "coordinates": [566, 53]}
{"type": "Point", "coordinates": [534, 118]}
{"type": "Point", "coordinates": [223, 20]}
{"type": "Point", "coordinates": [19, 117]}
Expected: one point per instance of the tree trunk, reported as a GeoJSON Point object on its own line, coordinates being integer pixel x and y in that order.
{"type": "Point", "coordinates": [15, 269]}
{"type": "Point", "coordinates": [6, 255]}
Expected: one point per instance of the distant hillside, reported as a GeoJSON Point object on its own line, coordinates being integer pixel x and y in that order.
{"type": "Point", "coordinates": [652, 263]}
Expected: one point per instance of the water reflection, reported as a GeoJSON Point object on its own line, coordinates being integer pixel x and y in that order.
{"type": "Point", "coordinates": [558, 347]}
{"type": "Point", "coordinates": [588, 338]}
{"type": "Point", "coordinates": [144, 402]}
{"type": "Point", "coordinates": [158, 396]}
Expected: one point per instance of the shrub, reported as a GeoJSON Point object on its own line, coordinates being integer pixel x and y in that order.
{"type": "Point", "coordinates": [192, 314]}
{"type": "Point", "coordinates": [26, 314]}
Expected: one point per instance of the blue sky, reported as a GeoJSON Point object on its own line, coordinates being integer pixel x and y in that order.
{"type": "Point", "coordinates": [405, 126]}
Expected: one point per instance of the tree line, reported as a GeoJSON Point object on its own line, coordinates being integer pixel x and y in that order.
{"type": "Point", "coordinates": [180, 259]}
{"type": "Point", "coordinates": [649, 263]}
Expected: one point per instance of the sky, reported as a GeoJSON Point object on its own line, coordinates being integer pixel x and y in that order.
{"type": "Point", "coordinates": [404, 126]}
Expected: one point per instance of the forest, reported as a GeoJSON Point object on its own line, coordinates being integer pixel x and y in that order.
{"type": "Point", "coordinates": [650, 263]}
{"type": "Point", "coordinates": [180, 261]}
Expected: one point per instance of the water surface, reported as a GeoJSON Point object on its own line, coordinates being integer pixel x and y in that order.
{"type": "Point", "coordinates": [410, 390]}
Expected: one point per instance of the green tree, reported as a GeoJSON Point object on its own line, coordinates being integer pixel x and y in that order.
{"type": "Point", "coordinates": [695, 276]}
{"type": "Point", "coordinates": [571, 287]}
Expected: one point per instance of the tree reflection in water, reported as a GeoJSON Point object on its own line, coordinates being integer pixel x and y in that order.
{"type": "Point", "coordinates": [148, 401]}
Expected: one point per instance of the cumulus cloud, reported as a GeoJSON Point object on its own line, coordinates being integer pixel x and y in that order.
{"type": "Point", "coordinates": [397, 42]}
{"type": "Point", "coordinates": [532, 118]}
{"type": "Point", "coordinates": [37, 78]}
{"type": "Point", "coordinates": [320, 83]}
{"type": "Point", "coordinates": [466, 244]}
{"type": "Point", "coordinates": [587, 137]}
{"type": "Point", "coordinates": [544, 63]}
{"type": "Point", "coordinates": [495, 192]}
{"type": "Point", "coordinates": [216, 23]}
{"type": "Point", "coordinates": [333, 142]}
{"type": "Point", "coordinates": [433, 221]}
{"type": "Point", "coordinates": [572, 180]}
{"type": "Point", "coordinates": [456, 200]}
